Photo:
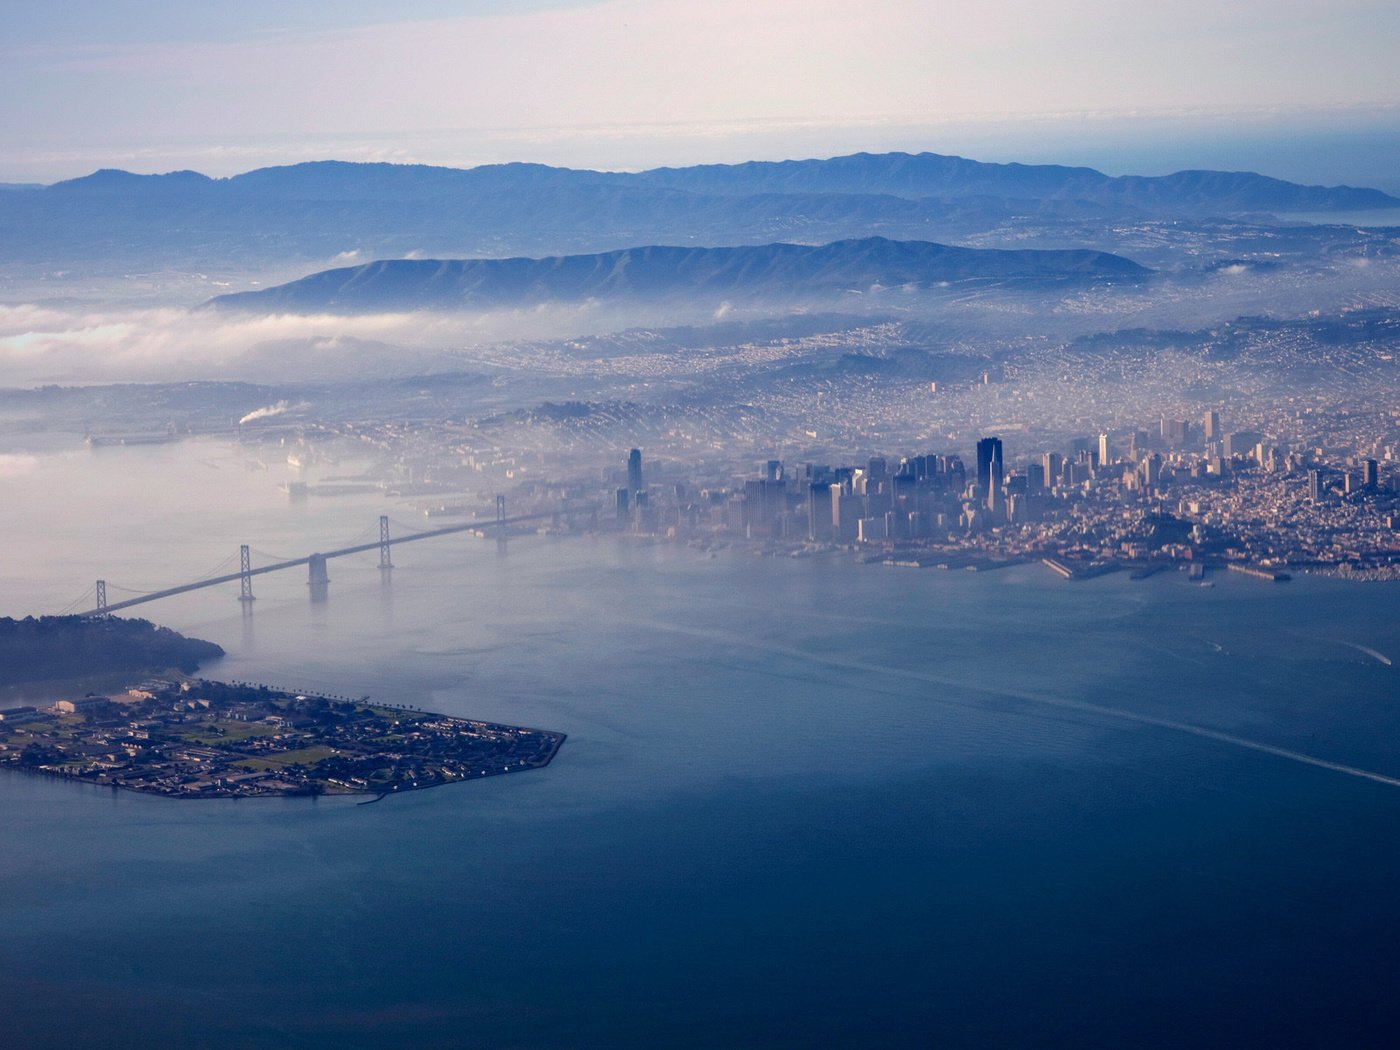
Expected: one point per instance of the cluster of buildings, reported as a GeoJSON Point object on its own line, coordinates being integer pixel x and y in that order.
{"type": "Point", "coordinates": [1179, 490]}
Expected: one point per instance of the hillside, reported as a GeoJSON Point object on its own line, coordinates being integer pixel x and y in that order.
{"type": "Point", "coordinates": [759, 272]}
{"type": "Point", "coordinates": [67, 647]}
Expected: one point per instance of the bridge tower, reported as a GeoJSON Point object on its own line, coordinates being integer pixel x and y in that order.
{"type": "Point", "coordinates": [500, 524]}
{"type": "Point", "coordinates": [245, 576]}
{"type": "Point", "coordinates": [101, 597]}
{"type": "Point", "coordinates": [384, 560]}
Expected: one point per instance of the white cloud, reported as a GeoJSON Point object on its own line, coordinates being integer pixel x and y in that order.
{"type": "Point", "coordinates": [14, 464]}
{"type": "Point", "coordinates": [41, 344]}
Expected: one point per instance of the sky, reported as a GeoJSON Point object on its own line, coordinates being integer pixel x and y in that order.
{"type": "Point", "coordinates": [1293, 87]}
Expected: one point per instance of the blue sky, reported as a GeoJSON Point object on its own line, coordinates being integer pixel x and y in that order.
{"type": "Point", "coordinates": [154, 85]}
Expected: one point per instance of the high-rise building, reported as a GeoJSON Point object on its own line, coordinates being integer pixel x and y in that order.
{"type": "Point", "coordinates": [634, 471]}
{"type": "Point", "coordinates": [994, 497]}
{"type": "Point", "coordinates": [846, 509]}
{"type": "Point", "coordinates": [872, 530]}
{"type": "Point", "coordinates": [1370, 474]}
{"type": "Point", "coordinates": [1151, 470]}
{"type": "Point", "coordinates": [988, 449]}
{"type": "Point", "coordinates": [764, 502]}
{"type": "Point", "coordinates": [877, 471]}
{"type": "Point", "coordinates": [1175, 432]}
{"type": "Point", "coordinates": [819, 511]}
{"type": "Point", "coordinates": [1315, 488]}
{"type": "Point", "coordinates": [1054, 466]}
{"type": "Point", "coordinates": [1105, 451]}
{"type": "Point", "coordinates": [1211, 423]}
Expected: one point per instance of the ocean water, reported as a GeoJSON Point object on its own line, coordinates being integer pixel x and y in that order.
{"type": "Point", "coordinates": [802, 803]}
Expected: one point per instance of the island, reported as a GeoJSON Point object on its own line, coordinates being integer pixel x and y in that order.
{"type": "Point", "coordinates": [183, 737]}
{"type": "Point", "coordinates": [204, 739]}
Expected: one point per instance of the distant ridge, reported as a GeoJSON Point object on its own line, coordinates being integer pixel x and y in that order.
{"type": "Point", "coordinates": [302, 217]}
{"type": "Point", "coordinates": [770, 271]}
{"type": "Point", "coordinates": [909, 175]}
{"type": "Point", "coordinates": [935, 175]}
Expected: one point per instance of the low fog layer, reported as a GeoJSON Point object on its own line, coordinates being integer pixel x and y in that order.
{"type": "Point", "coordinates": [62, 344]}
{"type": "Point", "coordinates": [77, 343]}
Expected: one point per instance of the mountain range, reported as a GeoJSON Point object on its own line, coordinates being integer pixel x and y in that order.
{"type": "Point", "coordinates": [903, 175]}
{"type": "Point", "coordinates": [769, 272]}
{"type": "Point", "coordinates": [307, 212]}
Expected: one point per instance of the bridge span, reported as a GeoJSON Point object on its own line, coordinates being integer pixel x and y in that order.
{"type": "Point", "coordinates": [316, 562]}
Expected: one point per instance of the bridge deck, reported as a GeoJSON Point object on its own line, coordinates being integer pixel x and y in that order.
{"type": "Point", "coordinates": [359, 548]}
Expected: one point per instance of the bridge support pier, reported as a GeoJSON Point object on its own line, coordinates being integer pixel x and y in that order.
{"type": "Point", "coordinates": [317, 577]}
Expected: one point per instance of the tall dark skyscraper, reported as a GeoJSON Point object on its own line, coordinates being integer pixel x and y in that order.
{"type": "Point", "coordinates": [819, 517]}
{"type": "Point", "coordinates": [634, 471]}
{"type": "Point", "coordinates": [988, 451]}
{"type": "Point", "coordinates": [877, 470]}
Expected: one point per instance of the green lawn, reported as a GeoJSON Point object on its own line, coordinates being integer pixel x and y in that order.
{"type": "Point", "coordinates": [307, 756]}
{"type": "Point", "coordinates": [201, 733]}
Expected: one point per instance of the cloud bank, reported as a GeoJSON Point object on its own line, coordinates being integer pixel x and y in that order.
{"type": "Point", "coordinates": [85, 345]}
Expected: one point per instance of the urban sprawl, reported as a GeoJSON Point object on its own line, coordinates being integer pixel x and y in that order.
{"type": "Point", "coordinates": [1189, 492]}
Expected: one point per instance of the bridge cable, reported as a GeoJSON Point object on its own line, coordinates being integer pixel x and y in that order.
{"type": "Point", "coordinates": [221, 569]}
{"type": "Point", "coordinates": [270, 556]}
{"type": "Point", "coordinates": [414, 530]}
{"type": "Point", "coordinates": [84, 599]}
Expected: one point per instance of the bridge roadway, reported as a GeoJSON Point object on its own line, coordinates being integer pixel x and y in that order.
{"type": "Point", "coordinates": [359, 548]}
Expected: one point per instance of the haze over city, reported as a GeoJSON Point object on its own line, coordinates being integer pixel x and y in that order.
{"type": "Point", "coordinates": [576, 523]}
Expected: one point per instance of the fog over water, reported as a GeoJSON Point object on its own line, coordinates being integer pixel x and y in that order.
{"type": "Point", "coordinates": [752, 307]}
{"type": "Point", "coordinates": [798, 798]}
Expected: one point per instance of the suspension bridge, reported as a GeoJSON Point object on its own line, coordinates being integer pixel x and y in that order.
{"type": "Point", "coordinates": [317, 576]}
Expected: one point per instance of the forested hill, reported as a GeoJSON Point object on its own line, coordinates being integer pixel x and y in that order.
{"type": "Point", "coordinates": [63, 647]}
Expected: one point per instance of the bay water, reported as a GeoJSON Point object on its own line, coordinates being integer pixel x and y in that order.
{"type": "Point", "coordinates": [803, 802]}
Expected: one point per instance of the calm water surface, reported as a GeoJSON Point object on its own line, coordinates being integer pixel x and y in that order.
{"type": "Point", "coordinates": [802, 803]}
